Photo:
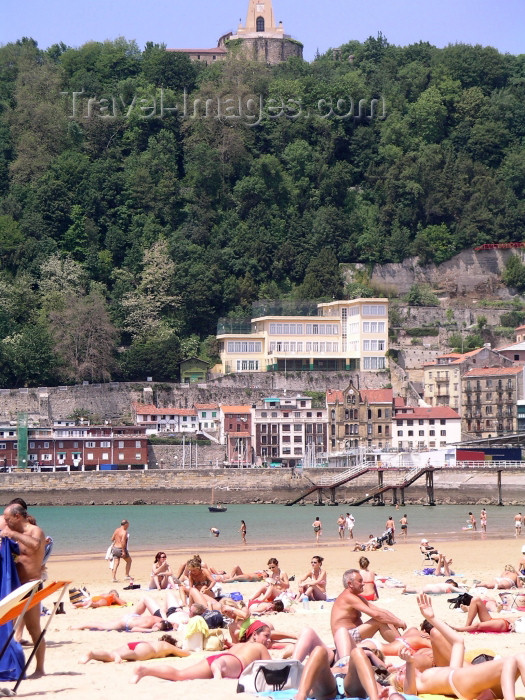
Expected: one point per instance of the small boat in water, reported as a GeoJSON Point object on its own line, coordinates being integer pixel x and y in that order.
{"type": "Point", "coordinates": [216, 507]}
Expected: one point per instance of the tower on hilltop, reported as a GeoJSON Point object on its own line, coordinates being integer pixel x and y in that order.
{"type": "Point", "coordinates": [261, 38]}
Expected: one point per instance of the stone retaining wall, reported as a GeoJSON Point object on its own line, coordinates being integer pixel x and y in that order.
{"type": "Point", "coordinates": [243, 486]}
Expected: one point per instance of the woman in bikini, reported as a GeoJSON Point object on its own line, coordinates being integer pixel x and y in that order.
{"type": "Point", "coordinates": [276, 583]}
{"type": "Point", "coordinates": [198, 577]}
{"type": "Point", "coordinates": [369, 580]}
{"type": "Point", "coordinates": [137, 651]}
{"type": "Point", "coordinates": [485, 681]}
{"type": "Point", "coordinates": [161, 573]}
{"type": "Point", "coordinates": [230, 664]}
{"type": "Point", "coordinates": [478, 608]}
{"type": "Point", "coordinates": [507, 579]}
{"type": "Point", "coordinates": [315, 589]}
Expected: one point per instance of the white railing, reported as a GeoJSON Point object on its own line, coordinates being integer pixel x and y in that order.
{"type": "Point", "coordinates": [490, 465]}
{"type": "Point", "coordinates": [348, 474]}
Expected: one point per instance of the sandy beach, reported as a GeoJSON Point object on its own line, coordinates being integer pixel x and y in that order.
{"type": "Point", "coordinates": [473, 559]}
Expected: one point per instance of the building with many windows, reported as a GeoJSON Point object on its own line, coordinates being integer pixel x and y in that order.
{"type": "Point", "coordinates": [490, 398]}
{"type": "Point", "coordinates": [77, 446]}
{"type": "Point", "coordinates": [421, 428]}
{"type": "Point", "coordinates": [289, 431]}
{"type": "Point", "coordinates": [236, 435]}
{"type": "Point", "coordinates": [442, 383]}
{"type": "Point", "coordinates": [165, 420]}
{"type": "Point", "coordinates": [339, 335]}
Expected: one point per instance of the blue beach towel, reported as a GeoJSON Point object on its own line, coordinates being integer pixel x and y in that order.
{"type": "Point", "coordinates": [12, 662]}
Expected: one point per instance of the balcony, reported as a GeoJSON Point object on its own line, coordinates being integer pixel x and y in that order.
{"type": "Point", "coordinates": [442, 380]}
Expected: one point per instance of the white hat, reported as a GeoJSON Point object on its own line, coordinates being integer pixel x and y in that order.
{"type": "Point", "coordinates": [523, 549]}
{"type": "Point", "coordinates": [423, 541]}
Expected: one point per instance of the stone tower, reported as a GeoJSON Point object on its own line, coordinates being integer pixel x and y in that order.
{"type": "Point", "coordinates": [261, 38]}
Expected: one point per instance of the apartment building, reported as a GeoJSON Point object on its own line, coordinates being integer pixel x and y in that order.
{"type": "Point", "coordinates": [236, 435]}
{"type": "Point", "coordinates": [360, 418]}
{"type": "Point", "coordinates": [421, 428]}
{"type": "Point", "coordinates": [79, 447]}
{"type": "Point", "coordinates": [442, 378]}
{"type": "Point", "coordinates": [289, 431]}
{"type": "Point", "coordinates": [340, 335]}
{"type": "Point", "coordinates": [490, 398]}
{"type": "Point", "coordinates": [165, 420]}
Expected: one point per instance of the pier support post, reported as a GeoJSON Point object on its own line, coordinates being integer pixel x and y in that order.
{"type": "Point", "coordinates": [380, 482]}
{"type": "Point", "coordinates": [430, 487]}
{"type": "Point", "coordinates": [394, 496]}
{"type": "Point", "coordinates": [320, 497]}
{"type": "Point", "coordinates": [333, 502]}
{"type": "Point", "coordinates": [500, 499]}
{"type": "Point", "coordinates": [402, 497]}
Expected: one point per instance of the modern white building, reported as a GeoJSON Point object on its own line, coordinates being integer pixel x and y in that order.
{"type": "Point", "coordinates": [421, 428]}
{"type": "Point", "coordinates": [349, 335]}
{"type": "Point", "coordinates": [165, 420]}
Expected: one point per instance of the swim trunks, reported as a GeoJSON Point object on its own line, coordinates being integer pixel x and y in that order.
{"type": "Point", "coordinates": [211, 659]}
{"type": "Point", "coordinates": [171, 610]}
{"type": "Point", "coordinates": [118, 552]}
{"type": "Point", "coordinates": [404, 527]}
{"type": "Point", "coordinates": [317, 528]}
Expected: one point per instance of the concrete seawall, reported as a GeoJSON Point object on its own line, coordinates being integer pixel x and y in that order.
{"type": "Point", "coordinates": [245, 486]}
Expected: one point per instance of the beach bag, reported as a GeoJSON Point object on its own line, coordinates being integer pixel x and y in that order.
{"type": "Point", "coordinates": [77, 595]}
{"type": "Point", "coordinates": [213, 618]}
{"type": "Point", "coordinates": [461, 599]}
{"type": "Point", "coordinates": [236, 595]}
{"type": "Point", "coordinates": [519, 625]}
{"type": "Point", "coordinates": [270, 675]}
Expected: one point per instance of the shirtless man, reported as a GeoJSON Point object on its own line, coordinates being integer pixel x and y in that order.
{"type": "Point", "coordinates": [346, 617]}
{"type": "Point", "coordinates": [404, 525]}
{"type": "Point", "coordinates": [119, 551]}
{"type": "Point", "coordinates": [390, 525]}
{"type": "Point", "coordinates": [31, 542]}
{"type": "Point", "coordinates": [518, 520]}
{"type": "Point", "coordinates": [521, 564]}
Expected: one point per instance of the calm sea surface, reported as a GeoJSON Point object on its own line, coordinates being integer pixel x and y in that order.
{"type": "Point", "coordinates": [87, 529]}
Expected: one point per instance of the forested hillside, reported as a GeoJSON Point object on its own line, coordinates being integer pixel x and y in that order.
{"type": "Point", "coordinates": [127, 228]}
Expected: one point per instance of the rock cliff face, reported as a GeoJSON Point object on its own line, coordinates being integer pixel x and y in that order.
{"type": "Point", "coordinates": [470, 272]}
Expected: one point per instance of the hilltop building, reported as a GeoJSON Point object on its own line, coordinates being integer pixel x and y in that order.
{"type": "Point", "coordinates": [260, 39]}
{"type": "Point", "coordinates": [347, 335]}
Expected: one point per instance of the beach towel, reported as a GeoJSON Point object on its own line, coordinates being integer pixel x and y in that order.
{"type": "Point", "coordinates": [109, 556]}
{"type": "Point", "coordinates": [12, 662]}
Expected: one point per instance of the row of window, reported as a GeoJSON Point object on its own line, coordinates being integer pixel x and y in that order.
{"type": "Point", "coordinates": [373, 345]}
{"type": "Point", "coordinates": [374, 363]}
{"type": "Point", "coordinates": [247, 365]}
{"type": "Point", "coordinates": [421, 421]}
{"type": "Point", "coordinates": [421, 433]}
{"type": "Point", "coordinates": [89, 456]}
{"type": "Point", "coordinates": [60, 445]}
{"type": "Point", "coordinates": [248, 346]}
{"type": "Point", "coordinates": [489, 383]}
{"type": "Point", "coordinates": [296, 414]}
{"type": "Point", "coordinates": [276, 346]}
{"type": "Point", "coordinates": [373, 327]}
{"type": "Point", "coordinates": [304, 329]}
{"type": "Point", "coordinates": [286, 428]}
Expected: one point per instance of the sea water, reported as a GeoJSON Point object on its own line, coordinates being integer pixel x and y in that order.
{"type": "Point", "coordinates": [88, 529]}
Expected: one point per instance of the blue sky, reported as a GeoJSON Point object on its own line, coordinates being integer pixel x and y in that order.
{"type": "Point", "coordinates": [319, 25]}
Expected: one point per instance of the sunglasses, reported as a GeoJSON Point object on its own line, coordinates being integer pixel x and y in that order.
{"type": "Point", "coordinates": [163, 556]}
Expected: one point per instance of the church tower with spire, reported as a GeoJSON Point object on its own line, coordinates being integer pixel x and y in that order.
{"type": "Point", "coordinates": [261, 38]}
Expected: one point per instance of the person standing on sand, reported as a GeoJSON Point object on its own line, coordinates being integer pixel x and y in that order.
{"type": "Point", "coordinates": [318, 528]}
{"type": "Point", "coordinates": [404, 525]}
{"type": "Point", "coordinates": [31, 543]}
{"type": "Point", "coordinates": [119, 549]}
{"type": "Point", "coordinates": [390, 525]}
{"type": "Point", "coordinates": [518, 520]}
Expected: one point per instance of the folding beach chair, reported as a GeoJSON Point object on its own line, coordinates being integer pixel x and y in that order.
{"type": "Point", "coordinates": [15, 605]}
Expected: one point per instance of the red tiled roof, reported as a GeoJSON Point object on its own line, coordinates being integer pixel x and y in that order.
{"type": "Point", "coordinates": [334, 396]}
{"type": "Point", "coordinates": [493, 371]}
{"type": "Point", "coordinates": [399, 401]}
{"type": "Point", "coordinates": [143, 409]}
{"type": "Point", "coordinates": [377, 395]}
{"type": "Point", "coordinates": [235, 409]}
{"type": "Point", "coordinates": [430, 412]}
{"type": "Point", "coordinates": [206, 406]}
